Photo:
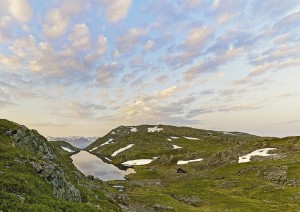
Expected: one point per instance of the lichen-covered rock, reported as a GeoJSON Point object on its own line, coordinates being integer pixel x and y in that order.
{"type": "Point", "coordinates": [55, 176]}
{"type": "Point", "coordinates": [276, 174]}
{"type": "Point", "coordinates": [191, 200]}
{"type": "Point", "coordinates": [33, 141]}
{"type": "Point", "coordinates": [47, 168]}
{"type": "Point", "coordinates": [162, 207]}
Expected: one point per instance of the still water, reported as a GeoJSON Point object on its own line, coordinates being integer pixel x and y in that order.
{"type": "Point", "coordinates": [90, 164]}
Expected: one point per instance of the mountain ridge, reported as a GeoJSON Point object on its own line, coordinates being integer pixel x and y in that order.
{"type": "Point", "coordinates": [176, 169]}
{"type": "Point", "coordinates": [211, 171]}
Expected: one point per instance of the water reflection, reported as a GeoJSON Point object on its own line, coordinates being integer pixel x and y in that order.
{"type": "Point", "coordinates": [90, 164]}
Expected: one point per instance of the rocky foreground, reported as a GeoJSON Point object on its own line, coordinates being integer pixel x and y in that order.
{"type": "Point", "coordinates": [37, 175]}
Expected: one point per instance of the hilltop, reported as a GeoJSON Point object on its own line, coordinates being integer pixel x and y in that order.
{"type": "Point", "coordinates": [187, 169]}
{"type": "Point", "coordinates": [176, 169]}
{"type": "Point", "coordinates": [37, 175]}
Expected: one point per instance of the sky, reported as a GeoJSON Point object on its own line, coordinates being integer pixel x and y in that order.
{"type": "Point", "coordinates": [83, 67]}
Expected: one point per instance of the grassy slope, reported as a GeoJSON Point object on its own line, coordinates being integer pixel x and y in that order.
{"type": "Point", "coordinates": [60, 144]}
{"type": "Point", "coordinates": [217, 183]}
{"type": "Point", "coordinates": [19, 180]}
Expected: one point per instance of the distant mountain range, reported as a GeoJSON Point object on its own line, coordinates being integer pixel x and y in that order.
{"type": "Point", "coordinates": [77, 141]}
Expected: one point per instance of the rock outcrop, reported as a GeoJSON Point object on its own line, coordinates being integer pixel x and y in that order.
{"type": "Point", "coordinates": [53, 174]}
{"type": "Point", "coordinates": [33, 141]}
{"type": "Point", "coordinates": [278, 175]}
{"type": "Point", "coordinates": [47, 168]}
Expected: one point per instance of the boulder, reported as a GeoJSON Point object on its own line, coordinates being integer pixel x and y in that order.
{"type": "Point", "coordinates": [162, 207]}
{"type": "Point", "coordinates": [276, 174]}
{"type": "Point", "coordinates": [180, 171]}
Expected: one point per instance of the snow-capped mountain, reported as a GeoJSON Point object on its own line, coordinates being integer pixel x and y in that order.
{"type": "Point", "coordinates": [77, 141]}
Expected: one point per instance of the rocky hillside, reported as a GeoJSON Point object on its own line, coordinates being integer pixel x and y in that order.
{"type": "Point", "coordinates": [186, 169]}
{"type": "Point", "coordinates": [37, 175]}
{"type": "Point", "coordinates": [177, 169]}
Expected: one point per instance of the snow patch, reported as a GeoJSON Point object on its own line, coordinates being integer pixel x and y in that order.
{"type": "Point", "coordinates": [174, 137]}
{"type": "Point", "coordinates": [107, 142]}
{"type": "Point", "coordinates": [182, 162]}
{"type": "Point", "coordinates": [138, 162]}
{"type": "Point", "coordinates": [228, 133]}
{"type": "Point", "coordinates": [94, 148]}
{"type": "Point", "coordinates": [121, 150]}
{"type": "Point", "coordinates": [133, 129]}
{"type": "Point", "coordinates": [191, 138]}
{"type": "Point", "coordinates": [258, 152]}
{"type": "Point", "coordinates": [107, 159]}
{"type": "Point", "coordinates": [169, 139]}
{"type": "Point", "coordinates": [176, 147]}
{"type": "Point", "coordinates": [154, 129]}
{"type": "Point", "coordinates": [113, 132]}
{"type": "Point", "coordinates": [67, 149]}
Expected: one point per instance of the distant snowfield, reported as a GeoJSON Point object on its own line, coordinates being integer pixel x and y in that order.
{"type": "Point", "coordinates": [258, 152]}
{"type": "Point", "coordinates": [191, 138]}
{"type": "Point", "coordinates": [155, 129]}
{"type": "Point", "coordinates": [121, 150]}
{"type": "Point", "coordinates": [176, 147]}
{"type": "Point", "coordinates": [138, 162]}
{"type": "Point", "coordinates": [182, 162]}
{"type": "Point", "coordinates": [67, 149]}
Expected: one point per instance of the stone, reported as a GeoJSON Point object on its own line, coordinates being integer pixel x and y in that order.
{"type": "Point", "coordinates": [275, 174]}
{"type": "Point", "coordinates": [8, 132]}
{"type": "Point", "coordinates": [20, 198]}
{"type": "Point", "coordinates": [180, 171]}
{"type": "Point", "coordinates": [191, 200]}
{"type": "Point", "coordinates": [162, 207]}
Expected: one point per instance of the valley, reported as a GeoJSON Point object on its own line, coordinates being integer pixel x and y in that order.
{"type": "Point", "coordinates": [168, 168]}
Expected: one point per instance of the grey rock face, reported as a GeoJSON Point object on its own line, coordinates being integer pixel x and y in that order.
{"type": "Point", "coordinates": [33, 141]}
{"type": "Point", "coordinates": [278, 175]}
{"type": "Point", "coordinates": [47, 168]}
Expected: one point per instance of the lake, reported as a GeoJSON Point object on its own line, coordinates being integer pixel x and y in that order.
{"type": "Point", "coordinates": [90, 164]}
